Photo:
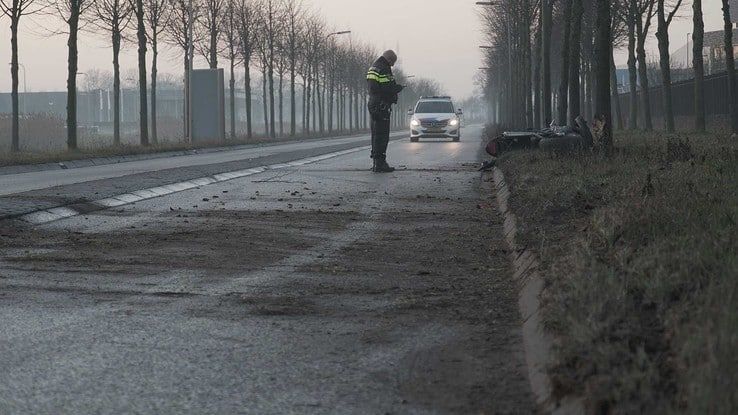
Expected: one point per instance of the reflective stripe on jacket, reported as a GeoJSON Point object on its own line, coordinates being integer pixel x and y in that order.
{"type": "Point", "coordinates": [382, 87]}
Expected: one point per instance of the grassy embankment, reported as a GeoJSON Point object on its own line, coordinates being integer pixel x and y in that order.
{"type": "Point", "coordinates": [640, 256]}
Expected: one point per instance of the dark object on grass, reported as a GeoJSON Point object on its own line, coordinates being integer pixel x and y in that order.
{"type": "Point", "coordinates": [554, 139]}
{"type": "Point", "coordinates": [488, 165]}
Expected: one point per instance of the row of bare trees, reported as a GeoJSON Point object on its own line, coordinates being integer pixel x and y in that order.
{"type": "Point", "coordinates": [532, 44]}
{"type": "Point", "coordinates": [287, 44]}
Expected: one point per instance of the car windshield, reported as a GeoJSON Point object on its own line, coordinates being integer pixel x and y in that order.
{"type": "Point", "coordinates": [434, 107]}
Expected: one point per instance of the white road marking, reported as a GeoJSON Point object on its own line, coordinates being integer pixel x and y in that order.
{"type": "Point", "coordinates": [51, 215]}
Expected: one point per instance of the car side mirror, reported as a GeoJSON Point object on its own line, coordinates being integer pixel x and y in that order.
{"type": "Point", "coordinates": [410, 112]}
{"type": "Point", "coordinates": [459, 112]}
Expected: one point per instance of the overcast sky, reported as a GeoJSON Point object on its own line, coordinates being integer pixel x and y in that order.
{"type": "Point", "coordinates": [436, 39]}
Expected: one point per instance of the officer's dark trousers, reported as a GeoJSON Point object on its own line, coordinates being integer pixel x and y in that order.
{"type": "Point", "coordinates": [380, 136]}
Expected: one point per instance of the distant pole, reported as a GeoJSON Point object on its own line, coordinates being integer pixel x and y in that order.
{"type": "Point", "coordinates": [688, 66]}
{"type": "Point", "coordinates": [190, 54]}
{"type": "Point", "coordinates": [25, 86]}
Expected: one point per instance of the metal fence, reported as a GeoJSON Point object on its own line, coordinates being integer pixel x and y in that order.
{"type": "Point", "coordinates": [716, 102]}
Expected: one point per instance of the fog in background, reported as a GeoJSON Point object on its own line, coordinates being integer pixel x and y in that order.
{"type": "Point", "coordinates": [436, 39]}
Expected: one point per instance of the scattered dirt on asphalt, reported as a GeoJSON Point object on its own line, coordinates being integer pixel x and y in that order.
{"type": "Point", "coordinates": [428, 287]}
{"type": "Point", "coordinates": [228, 241]}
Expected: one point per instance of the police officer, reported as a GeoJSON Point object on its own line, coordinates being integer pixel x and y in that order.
{"type": "Point", "coordinates": [383, 93]}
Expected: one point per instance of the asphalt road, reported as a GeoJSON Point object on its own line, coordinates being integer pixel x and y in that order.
{"type": "Point", "coordinates": [320, 288]}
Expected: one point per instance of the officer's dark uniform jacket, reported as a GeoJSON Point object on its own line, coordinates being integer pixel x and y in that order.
{"type": "Point", "coordinates": [382, 89]}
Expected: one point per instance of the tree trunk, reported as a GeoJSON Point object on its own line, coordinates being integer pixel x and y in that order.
{"type": "Point", "coordinates": [662, 34]}
{"type": "Point", "coordinates": [536, 81]}
{"type": "Point", "coordinates": [603, 52]}
{"type": "Point", "coordinates": [563, 102]}
{"type": "Point", "coordinates": [575, 49]}
{"type": "Point", "coordinates": [213, 45]}
{"type": "Point", "coordinates": [142, 95]}
{"type": "Point", "coordinates": [308, 91]}
{"type": "Point", "coordinates": [247, 89]}
{"type": "Point", "coordinates": [185, 101]}
{"type": "Point", "coordinates": [330, 103]}
{"type": "Point", "coordinates": [293, 103]}
{"type": "Point", "coordinates": [699, 66]}
{"type": "Point", "coordinates": [154, 73]}
{"type": "Point", "coordinates": [14, 66]}
{"type": "Point", "coordinates": [232, 91]}
{"type": "Point", "coordinates": [615, 93]}
{"type": "Point", "coordinates": [272, 124]}
{"type": "Point", "coordinates": [281, 105]}
{"type": "Point", "coordinates": [304, 105]}
{"type": "Point", "coordinates": [116, 87]}
{"type": "Point", "coordinates": [527, 66]}
{"type": "Point", "coordinates": [632, 71]}
{"type": "Point", "coordinates": [643, 76]}
{"type": "Point", "coordinates": [316, 83]}
{"type": "Point", "coordinates": [321, 123]}
{"type": "Point", "coordinates": [350, 109]}
{"type": "Point", "coordinates": [730, 66]}
{"type": "Point", "coordinates": [357, 109]}
{"type": "Point", "coordinates": [264, 99]}
{"type": "Point", "coordinates": [72, 67]}
{"type": "Point", "coordinates": [547, 7]}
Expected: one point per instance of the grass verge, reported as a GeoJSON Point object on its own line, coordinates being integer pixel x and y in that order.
{"type": "Point", "coordinates": [640, 256]}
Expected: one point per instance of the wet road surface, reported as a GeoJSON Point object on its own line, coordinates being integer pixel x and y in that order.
{"type": "Point", "coordinates": [320, 288]}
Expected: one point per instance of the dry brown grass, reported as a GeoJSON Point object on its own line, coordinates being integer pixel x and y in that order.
{"type": "Point", "coordinates": [640, 254]}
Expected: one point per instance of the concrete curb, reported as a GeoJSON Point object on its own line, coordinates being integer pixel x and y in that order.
{"type": "Point", "coordinates": [536, 342]}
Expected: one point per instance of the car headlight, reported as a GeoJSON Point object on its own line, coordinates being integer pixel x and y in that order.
{"type": "Point", "coordinates": [454, 122]}
{"type": "Point", "coordinates": [414, 123]}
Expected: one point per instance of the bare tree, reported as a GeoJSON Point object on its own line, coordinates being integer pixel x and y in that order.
{"type": "Point", "coordinates": [698, 65]}
{"type": "Point", "coordinates": [231, 39]}
{"type": "Point", "coordinates": [271, 21]}
{"type": "Point", "coordinates": [730, 66]}
{"type": "Point", "coordinates": [262, 49]}
{"type": "Point", "coordinates": [210, 26]}
{"type": "Point", "coordinates": [281, 64]}
{"type": "Point", "coordinates": [574, 60]}
{"type": "Point", "coordinates": [15, 10]}
{"type": "Point", "coordinates": [178, 33]}
{"type": "Point", "coordinates": [96, 79]}
{"type": "Point", "coordinates": [619, 33]}
{"type": "Point", "coordinates": [114, 16]}
{"type": "Point", "coordinates": [563, 101]}
{"type": "Point", "coordinates": [247, 32]}
{"type": "Point", "coordinates": [71, 12]}
{"type": "Point", "coordinates": [664, 20]}
{"type": "Point", "coordinates": [546, 17]}
{"type": "Point", "coordinates": [157, 18]}
{"type": "Point", "coordinates": [644, 15]}
{"type": "Point", "coordinates": [603, 110]}
{"type": "Point", "coordinates": [293, 33]}
{"type": "Point", "coordinates": [632, 16]}
{"type": "Point", "coordinates": [139, 11]}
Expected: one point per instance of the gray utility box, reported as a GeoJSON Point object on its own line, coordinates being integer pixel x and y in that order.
{"type": "Point", "coordinates": [207, 105]}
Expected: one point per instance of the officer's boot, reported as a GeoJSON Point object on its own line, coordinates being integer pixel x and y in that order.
{"type": "Point", "coordinates": [381, 166]}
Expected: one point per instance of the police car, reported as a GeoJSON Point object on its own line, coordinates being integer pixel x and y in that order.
{"type": "Point", "coordinates": [435, 117]}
